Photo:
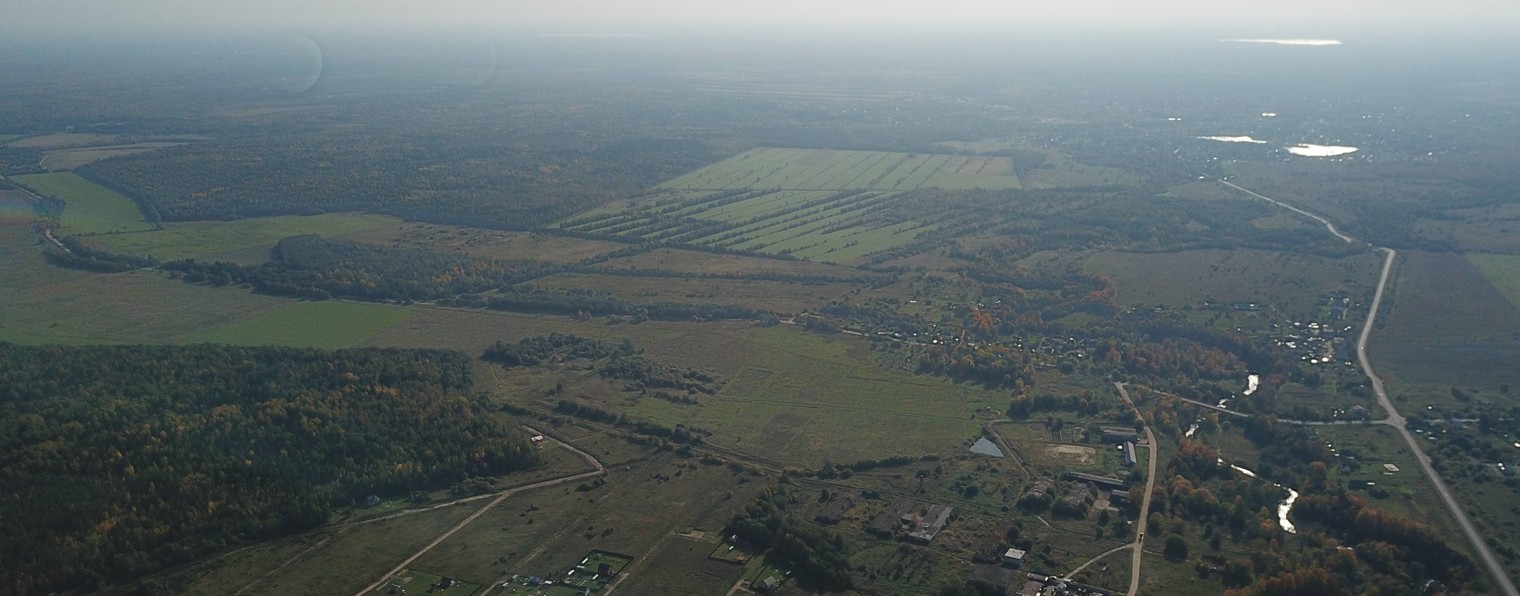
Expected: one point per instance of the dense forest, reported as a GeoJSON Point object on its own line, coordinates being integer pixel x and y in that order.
{"type": "Point", "coordinates": [148, 457]}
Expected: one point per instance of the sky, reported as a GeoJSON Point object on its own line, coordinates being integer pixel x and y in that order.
{"type": "Point", "coordinates": [63, 16]}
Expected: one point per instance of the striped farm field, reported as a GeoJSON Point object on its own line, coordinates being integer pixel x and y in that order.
{"type": "Point", "coordinates": [827, 169]}
{"type": "Point", "coordinates": [817, 204]}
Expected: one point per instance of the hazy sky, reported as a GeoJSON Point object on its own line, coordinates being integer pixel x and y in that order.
{"type": "Point", "coordinates": [601, 15]}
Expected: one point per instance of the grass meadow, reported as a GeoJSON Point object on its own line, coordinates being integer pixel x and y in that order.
{"type": "Point", "coordinates": [48, 304]}
{"type": "Point", "coordinates": [801, 398]}
{"type": "Point", "coordinates": [1289, 281]}
{"type": "Point", "coordinates": [1503, 271]}
{"type": "Point", "coordinates": [324, 324]}
{"type": "Point", "coordinates": [89, 208]}
{"type": "Point", "coordinates": [1447, 326]}
{"type": "Point", "coordinates": [242, 240]}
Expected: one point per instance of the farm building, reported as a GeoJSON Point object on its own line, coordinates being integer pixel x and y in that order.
{"type": "Point", "coordinates": [1119, 434]}
{"type": "Point", "coordinates": [1127, 454]}
{"type": "Point", "coordinates": [1101, 481]}
{"type": "Point", "coordinates": [930, 525]}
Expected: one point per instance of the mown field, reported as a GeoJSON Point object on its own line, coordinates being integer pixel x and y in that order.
{"type": "Point", "coordinates": [325, 324]}
{"type": "Point", "coordinates": [819, 205]}
{"type": "Point", "coordinates": [243, 240]}
{"type": "Point", "coordinates": [823, 169]}
{"type": "Point", "coordinates": [89, 208]}
{"type": "Point", "coordinates": [818, 225]}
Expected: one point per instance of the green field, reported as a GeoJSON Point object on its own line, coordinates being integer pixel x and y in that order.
{"type": "Point", "coordinates": [821, 205]}
{"type": "Point", "coordinates": [89, 208]}
{"type": "Point", "coordinates": [1503, 271]}
{"type": "Point", "coordinates": [803, 398]}
{"type": "Point", "coordinates": [63, 139]}
{"type": "Point", "coordinates": [1447, 326]}
{"type": "Point", "coordinates": [1291, 282]}
{"type": "Point", "coordinates": [323, 324]}
{"type": "Point", "coordinates": [825, 169]}
{"type": "Point", "coordinates": [48, 304]}
{"type": "Point", "coordinates": [244, 237]}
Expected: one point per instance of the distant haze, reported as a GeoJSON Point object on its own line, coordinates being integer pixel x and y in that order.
{"type": "Point", "coordinates": [1288, 18]}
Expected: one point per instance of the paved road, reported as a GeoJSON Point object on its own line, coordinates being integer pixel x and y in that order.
{"type": "Point", "coordinates": [1145, 504]}
{"type": "Point", "coordinates": [494, 502]}
{"type": "Point", "coordinates": [1395, 420]}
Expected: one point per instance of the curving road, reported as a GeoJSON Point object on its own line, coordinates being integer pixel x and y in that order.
{"type": "Point", "coordinates": [1394, 419]}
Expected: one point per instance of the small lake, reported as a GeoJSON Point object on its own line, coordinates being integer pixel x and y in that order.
{"type": "Point", "coordinates": [1235, 140]}
{"type": "Point", "coordinates": [1310, 150]}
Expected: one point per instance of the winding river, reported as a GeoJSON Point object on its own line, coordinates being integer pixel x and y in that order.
{"type": "Point", "coordinates": [1283, 508]}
